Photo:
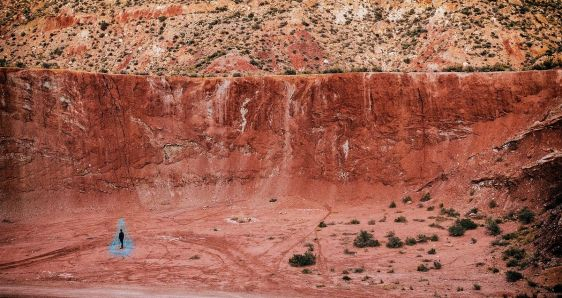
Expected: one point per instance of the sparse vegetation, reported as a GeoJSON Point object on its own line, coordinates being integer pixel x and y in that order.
{"type": "Point", "coordinates": [513, 276]}
{"type": "Point", "coordinates": [467, 224]}
{"type": "Point", "coordinates": [422, 268]}
{"type": "Point", "coordinates": [526, 216]}
{"type": "Point", "coordinates": [365, 239]}
{"type": "Point", "coordinates": [322, 224]}
{"type": "Point", "coordinates": [394, 242]}
{"type": "Point", "coordinates": [410, 241]}
{"type": "Point", "coordinates": [437, 265]}
{"type": "Point", "coordinates": [426, 197]}
{"type": "Point", "coordinates": [493, 227]}
{"type": "Point", "coordinates": [400, 219]}
{"type": "Point", "coordinates": [392, 205]}
{"type": "Point", "coordinates": [407, 200]}
{"type": "Point", "coordinates": [354, 222]}
{"type": "Point", "coordinates": [306, 259]}
{"type": "Point", "coordinates": [456, 230]}
{"type": "Point", "coordinates": [432, 251]}
{"type": "Point", "coordinates": [477, 287]}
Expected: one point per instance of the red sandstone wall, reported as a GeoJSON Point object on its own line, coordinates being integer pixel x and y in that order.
{"type": "Point", "coordinates": [74, 140]}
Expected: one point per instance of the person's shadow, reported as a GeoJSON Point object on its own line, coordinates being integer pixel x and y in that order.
{"type": "Point", "coordinates": [117, 248]}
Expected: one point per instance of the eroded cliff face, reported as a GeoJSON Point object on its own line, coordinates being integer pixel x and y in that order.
{"type": "Point", "coordinates": [72, 140]}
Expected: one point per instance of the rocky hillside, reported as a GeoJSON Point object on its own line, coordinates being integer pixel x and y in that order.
{"type": "Point", "coordinates": [257, 37]}
{"type": "Point", "coordinates": [71, 137]}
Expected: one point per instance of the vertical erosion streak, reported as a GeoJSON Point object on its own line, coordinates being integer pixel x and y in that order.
{"type": "Point", "coordinates": [287, 148]}
{"type": "Point", "coordinates": [421, 102]}
{"type": "Point", "coordinates": [221, 100]}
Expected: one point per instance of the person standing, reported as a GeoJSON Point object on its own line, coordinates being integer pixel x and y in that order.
{"type": "Point", "coordinates": [121, 237]}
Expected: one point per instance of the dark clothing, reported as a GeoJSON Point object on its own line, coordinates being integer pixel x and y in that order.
{"type": "Point", "coordinates": [121, 237]}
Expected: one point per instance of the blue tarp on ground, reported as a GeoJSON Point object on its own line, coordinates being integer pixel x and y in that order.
{"type": "Point", "coordinates": [128, 244]}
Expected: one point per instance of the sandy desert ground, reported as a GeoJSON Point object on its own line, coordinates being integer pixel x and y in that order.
{"type": "Point", "coordinates": [204, 252]}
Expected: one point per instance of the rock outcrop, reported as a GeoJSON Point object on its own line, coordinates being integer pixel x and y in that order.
{"type": "Point", "coordinates": [75, 141]}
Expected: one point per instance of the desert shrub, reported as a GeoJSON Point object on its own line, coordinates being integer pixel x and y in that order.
{"type": "Point", "coordinates": [3, 62]}
{"type": "Point", "coordinates": [509, 236]}
{"type": "Point", "coordinates": [322, 224]}
{"type": "Point", "coordinates": [467, 224]}
{"type": "Point", "coordinates": [306, 271]}
{"type": "Point", "coordinates": [526, 216]}
{"type": "Point", "coordinates": [432, 251]}
{"type": "Point", "coordinates": [400, 219]}
{"type": "Point", "coordinates": [406, 199]}
{"type": "Point", "coordinates": [500, 242]}
{"type": "Point", "coordinates": [306, 259]}
{"type": "Point", "coordinates": [437, 265]}
{"type": "Point", "coordinates": [477, 287]}
{"type": "Point", "coordinates": [449, 212]}
{"type": "Point", "coordinates": [290, 71]}
{"type": "Point", "coordinates": [365, 239]}
{"type": "Point", "coordinates": [422, 268]}
{"type": "Point", "coordinates": [426, 197]}
{"type": "Point", "coordinates": [513, 276]}
{"type": "Point", "coordinates": [422, 238]}
{"type": "Point", "coordinates": [557, 288]}
{"type": "Point", "coordinates": [434, 238]}
{"type": "Point", "coordinates": [333, 70]}
{"type": "Point", "coordinates": [492, 204]}
{"type": "Point", "coordinates": [354, 222]}
{"type": "Point", "coordinates": [346, 278]}
{"type": "Point", "coordinates": [394, 242]}
{"type": "Point", "coordinates": [372, 222]}
{"type": "Point", "coordinates": [430, 208]}
{"type": "Point", "coordinates": [514, 252]}
{"type": "Point", "coordinates": [456, 230]}
{"type": "Point", "coordinates": [103, 25]}
{"type": "Point", "coordinates": [348, 252]}
{"type": "Point", "coordinates": [410, 241]}
{"type": "Point", "coordinates": [359, 270]}
{"type": "Point", "coordinates": [493, 227]}
{"type": "Point", "coordinates": [392, 205]}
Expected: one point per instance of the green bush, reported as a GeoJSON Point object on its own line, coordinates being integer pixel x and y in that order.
{"type": "Point", "coordinates": [406, 199]}
{"type": "Point", "coordinates": [422, 238]}
{"type": "Point", "coordinates": [346, 278]}
{"type": "Point", "coordinates": [514, 252]}
{"type": "Point", "coordinates": [449, 212]}
{"type": "Point", "coordinates": [394, 242]}
{"type": "Point", "coordinates": [422, 268]}
{"type": "Point", "coordinates": [456, 230]}
{"type": "Point", "coordinates": [410, 241]}
{"type": "Point", "coordinates": [306, 259]}
{"type": "Point", "coordinates": [322, 224]}
{"type": "Point", "coordinates": [434, 238]}
{"type": "Point", "coordinates": [467, 224]}
{"type": "Point", "coordinates": [477, 287]}
{"type": "Point", "coordinates": [437, 265]}
{"type": "Point", "coordinates": [392, 205]}
{"type": "Point", "coordinates": [365, 239]}
{"type": "Point", "coordinates": [513, 276]}
{"type": "Point", "coordinates": [401, 219]}
{"type": "Point", "coordinates": [526, 216]}
{"type": "Point", "coordinates": [426, 197]}
{"type": "Point", "coordinates": [493, 227]}
{"type": "Point", "coordinates": [432, 251]}
{"type": "Point", "coordinates": [290, 72]}
{"type": "Point", "coordinates": [333, 70]}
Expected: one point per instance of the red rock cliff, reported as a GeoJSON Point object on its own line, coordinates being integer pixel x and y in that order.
{"type": "Point", "coordinates": [80, 140]}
